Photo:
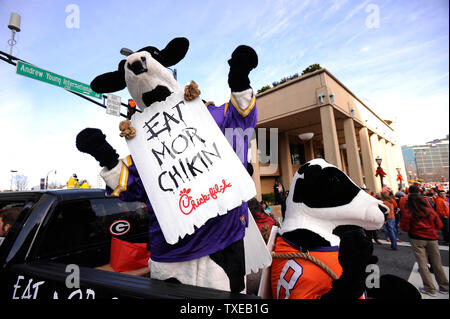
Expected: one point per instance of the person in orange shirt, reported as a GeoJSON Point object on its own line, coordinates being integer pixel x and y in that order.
{"type": "Point", "coordinates": [401, 203]}
{"type": "Point", "coordinates": [389, 224]}
{"type": "Point", "coordinates": [394, 203]}
{"type": "Point", "coordinates": [442, 210]}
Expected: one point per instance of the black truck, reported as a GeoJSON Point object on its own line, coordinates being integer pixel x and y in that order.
{"type": "Point", "coordinates": [59, 247]}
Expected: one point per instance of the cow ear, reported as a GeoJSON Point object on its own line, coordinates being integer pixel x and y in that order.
{"type": "Point", "coordinates": [174, 52]}
{"type": "Point", "coordinates": [303, 168]}
{"type": "Point", "coordinates": [111, 81]}
{"type": "Point", "coordinates": [154, 52]}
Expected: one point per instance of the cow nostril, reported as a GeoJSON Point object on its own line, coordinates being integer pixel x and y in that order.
{"type": "Point", "coordinates": [382, 208]}
{"type": "Point", "coordinates": [137, 67]}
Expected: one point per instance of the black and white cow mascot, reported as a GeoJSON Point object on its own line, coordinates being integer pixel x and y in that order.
{"type": "Point", "coordinates": [213, 256]}
{"type": "Point", "coordinates": [323, 225]}
{"type": "Point", "coordinates": [321, 250]}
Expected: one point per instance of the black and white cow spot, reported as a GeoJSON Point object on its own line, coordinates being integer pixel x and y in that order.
{"type": "Point", "coordinates": [322, 197]}
{"type": "Point", "coordinates": [319, 186]}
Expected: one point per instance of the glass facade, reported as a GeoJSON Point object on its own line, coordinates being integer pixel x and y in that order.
{"type": "Point", "coordinates": [430, 161]}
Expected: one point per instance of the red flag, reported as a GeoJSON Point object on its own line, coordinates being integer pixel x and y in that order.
{"type": "Point", "coordinates": [128, 256]}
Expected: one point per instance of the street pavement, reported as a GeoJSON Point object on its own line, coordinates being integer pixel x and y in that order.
{"type": "Point", "coordinates": [401, 263]}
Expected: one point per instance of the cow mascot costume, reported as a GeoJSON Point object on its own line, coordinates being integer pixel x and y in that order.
{"type": "Point", "coordinates": [323, 200]}
{"type": "Point", "coordinates": [321, 250]}
{"type": "Point", "coordinates": [213, 256]}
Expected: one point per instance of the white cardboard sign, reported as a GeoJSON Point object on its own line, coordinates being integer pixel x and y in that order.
{"type": "Point", "coordinates": [189, 170]}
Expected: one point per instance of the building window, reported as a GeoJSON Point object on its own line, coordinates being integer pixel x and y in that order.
{"type": "Point", "coordinates": [297, 154]}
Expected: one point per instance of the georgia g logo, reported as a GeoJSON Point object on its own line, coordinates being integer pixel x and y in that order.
{"type": "Point", "coordinates": [119, 227]}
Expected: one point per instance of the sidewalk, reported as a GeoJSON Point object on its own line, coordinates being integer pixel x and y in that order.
{"type": "Point", "coordinates": [416, 280]}
{"type": "Point", "coordinates": [407, 244]}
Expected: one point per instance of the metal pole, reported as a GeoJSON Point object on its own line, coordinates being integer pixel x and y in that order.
{"type": "Point", "coordinates": [11, 42]}
{"type": "Point", "coordinates": [10, 59]}
{"type": "Point", "coordinates": [46, 178]}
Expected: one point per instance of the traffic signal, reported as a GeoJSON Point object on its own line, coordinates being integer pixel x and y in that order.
{"type": "Point", "coordinates": [131, 108]}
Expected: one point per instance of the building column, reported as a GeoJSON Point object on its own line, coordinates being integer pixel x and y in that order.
{"type": "Point", "coordinates": [375, 146]}
{"type": "Point", "coordinates": [385, 162]}
{"type": "Point", "coordinates": [309, 150]}
{"type": "Point", "coordinates": [329, 134]}
{"type": "Point", "coordinates": [367, 159]}
{"type": "Point", "coordinates": [391, 166]}
{"type": "Point", "coordinates": [285, 161]}
{"type": "Point", "coordinates": [354, 162]}
{"type": "Point", "coordinates": [398, 157]}
{"type": "Point", "coordinates": [256, 172]}
{"type": "Point", "coordinates": [343, 163]}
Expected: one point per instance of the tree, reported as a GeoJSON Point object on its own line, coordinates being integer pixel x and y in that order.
{"type": "Point", "coordinates": [285, 79]}
{"type": "Point", "coordinates": [311, 68]}
{"type": "Point", "coordinates": [55, 185]}
{"type": "Point", "coordinates": [21, 182]}
{"type": "Point", "coordinates": [264, 88]}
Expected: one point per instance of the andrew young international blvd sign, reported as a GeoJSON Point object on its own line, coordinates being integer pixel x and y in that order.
{"type": "Point", "coordinates": [36, 73]}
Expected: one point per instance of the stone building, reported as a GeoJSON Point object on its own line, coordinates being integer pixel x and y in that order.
{"type": "Point", "coordinates": [316, 115]}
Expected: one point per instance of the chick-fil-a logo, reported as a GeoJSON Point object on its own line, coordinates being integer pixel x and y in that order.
{"type": "Point", "coordinates": [188, 204]}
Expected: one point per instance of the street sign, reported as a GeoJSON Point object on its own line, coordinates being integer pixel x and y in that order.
{"type": "Point", "coordinates": [113, 105]}
{"type": "Point", "coordinates": [39, 74]}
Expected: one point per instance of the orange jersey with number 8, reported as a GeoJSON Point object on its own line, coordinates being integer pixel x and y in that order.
{"type": "Point", "coordinates": [298, 278]}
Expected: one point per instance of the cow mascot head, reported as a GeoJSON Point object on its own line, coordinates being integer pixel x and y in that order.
{"type": "Point", "coordinates": [213, 256]}
{"type": "Point", "coordinates": [145, 73]}
{"type": "Point", "coordinates": [322, 249]}
{"type": "Point", "coordinates": [322, 198]}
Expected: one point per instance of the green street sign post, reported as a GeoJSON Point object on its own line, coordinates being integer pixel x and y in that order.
{"type": "Point", "coordinates": [39, 74]}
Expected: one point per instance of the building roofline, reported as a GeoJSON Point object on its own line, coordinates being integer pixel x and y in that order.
{"type": "Point", "coordinates": [425, 145]}
{"type": "Point", "coordinates": [314, 73]}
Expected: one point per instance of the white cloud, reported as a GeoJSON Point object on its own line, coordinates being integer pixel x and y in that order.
{"type": "Point", "coordinates": [333, 9]}
{"type": "Point", "coordinates": [364, 49]}
{"type": "Point", "coordinates": [401, 68]}
{"type": "Point", "coordinates": [332, 32]}
{"type": "Point", "coordinates": [280, 18]}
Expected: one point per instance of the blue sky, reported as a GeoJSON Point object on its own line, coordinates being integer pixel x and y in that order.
{"type": "Point", "coordinates": [400, 68]}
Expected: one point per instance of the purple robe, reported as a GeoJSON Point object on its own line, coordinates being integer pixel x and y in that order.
{"type": "Point", "coordinates": [218, 232]}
